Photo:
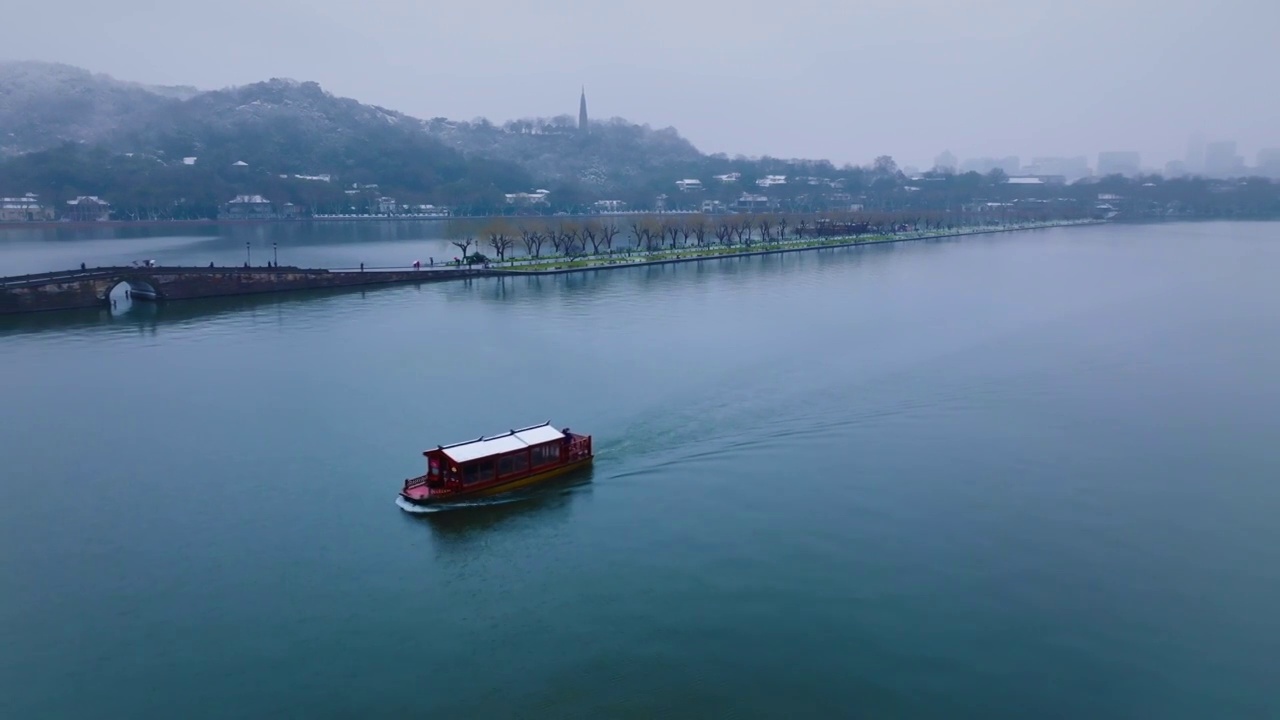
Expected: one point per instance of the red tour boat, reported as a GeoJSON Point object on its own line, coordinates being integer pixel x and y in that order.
{"type": "Point", "coordinates": [493, 465]}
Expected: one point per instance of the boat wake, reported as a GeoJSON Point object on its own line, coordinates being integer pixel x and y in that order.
{"type": "Point", "coordinates": [514, 496]}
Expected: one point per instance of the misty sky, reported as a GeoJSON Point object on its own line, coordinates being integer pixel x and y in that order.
{"type": "Point", "coordinates": [798, 78]}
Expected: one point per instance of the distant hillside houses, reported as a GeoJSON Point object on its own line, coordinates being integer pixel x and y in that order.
{"type": "Point", "coordinates": [524, 199]}
{"type": "Point", "coordinates": [27, 208]}
{"type": "Point", "coordinates": [88, 208]}
{"type": "Point", "coordinates": [247, 207]}
{"type": "Point", "coordinates": [609, 206]}
{"type": "Point", "coordinates": [322, 177]}
{"type": "Point", "coordinates": [257, 207]}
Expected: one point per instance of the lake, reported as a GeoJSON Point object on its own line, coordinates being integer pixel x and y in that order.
{"type": "Point", "coordinates": [1021, 475]}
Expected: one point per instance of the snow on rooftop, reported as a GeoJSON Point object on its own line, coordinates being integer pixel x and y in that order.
{"type": "Point", "coordinates": [512, 441]}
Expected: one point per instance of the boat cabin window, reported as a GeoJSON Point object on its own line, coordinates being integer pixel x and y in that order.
{"type": "Point", "coordinates": [546, 454]}
{"type": "Point", "coordinates": [478, 472]}
{"type": "Point", "coordinates": [513, 464]}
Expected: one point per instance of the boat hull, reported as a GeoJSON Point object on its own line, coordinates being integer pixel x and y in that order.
{"type": "Point", "coordinates": [506, 486]}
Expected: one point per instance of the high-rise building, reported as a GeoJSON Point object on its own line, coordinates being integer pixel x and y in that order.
{"type": "Point", "coordinates": [1195, 153]}
{"type": "Point", "coordinates": [1221, 160]}
{"type": "Point", "coordinates": [1120, 162]}
{"type": "Point", "coordinates": [1269, 162]}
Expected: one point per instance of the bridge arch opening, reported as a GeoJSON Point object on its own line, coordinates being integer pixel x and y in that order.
{"type": "Point", "coordinates": [127, 291]}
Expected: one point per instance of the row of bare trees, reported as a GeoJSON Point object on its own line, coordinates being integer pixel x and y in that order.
{"type": "Point", "coordinates": [606, 235]}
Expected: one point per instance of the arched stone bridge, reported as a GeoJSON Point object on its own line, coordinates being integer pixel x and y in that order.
{"type": "Point", "coordinates": [92, 287]}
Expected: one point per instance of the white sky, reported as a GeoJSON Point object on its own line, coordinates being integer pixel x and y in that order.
{"type": "Point", "coordinates": [800, 78]}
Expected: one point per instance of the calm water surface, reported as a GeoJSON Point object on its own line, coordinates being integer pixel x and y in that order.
{"type": "Point", "coordinates": [1028, 475]}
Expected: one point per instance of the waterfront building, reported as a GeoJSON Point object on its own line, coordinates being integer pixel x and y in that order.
{"type": "Point", "coordinates": [88, 208]}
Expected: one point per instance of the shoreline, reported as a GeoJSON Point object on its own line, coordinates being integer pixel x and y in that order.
{"type": "Point", "coordinates": [207, 222]}
{"type": "Point", "coordinates": [803, 246]}
{"type": "Point", "coordinates": [291, 279]}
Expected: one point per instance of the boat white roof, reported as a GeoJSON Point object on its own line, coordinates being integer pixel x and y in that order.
{"type": "Point", "coordinates": [505, 443]}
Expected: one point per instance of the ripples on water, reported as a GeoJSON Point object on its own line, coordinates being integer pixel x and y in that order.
{"type": "Point", "coordinates": [1028, 474]}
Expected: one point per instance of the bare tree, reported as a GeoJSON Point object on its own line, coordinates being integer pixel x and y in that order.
{"type": "Point", "coordinates": [698, 226]}
{"type": "Point", "coordinates": [743, 228]}
{"type": "Point", "coordinates": [499, 235]}
{"type": "Point", "coordinates": [724, 232]}
{"type": "Point", "coordinates": [652, 234]}
{"type": "Point", "coordinates": [765, 223]}
{"type": "Point", "coordinates": [639, 230]}
{"type": "Point", "coordinates": [462, 245]}
{"type": "Point", "coordinates": [782, 228]}
{"type": "Point", "coordinates": [532, 239]}
{"type": "Point", "coordinates": [802, 228]}
{"type": "Point", "coordinates": [671, 227]}
{"type": "Point", "coordinates": [591, 234]}
{"type": "Point", "coordinates": [565, 238]}
{"type": "Point", "coordinates": [608, 231]}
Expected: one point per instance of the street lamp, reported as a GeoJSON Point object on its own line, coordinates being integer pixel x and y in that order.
{"type": "Point", "coordinates": [248, 258]}
{"type": "Point", "coordinates": [275, 256]}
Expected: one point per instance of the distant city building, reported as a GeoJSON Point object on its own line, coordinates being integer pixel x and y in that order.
{"type": "Point", "coordinates": [946, 162]}
{"type": "Point", "coordinates": [1221, 160]}
{"type": "Point", "coordinates": [729, 178]}
{"type": "Point", "coordinates": [1175, 169]}
{"type": "Point", "coordinates": [1269, 162]}
{"type": "Point", "coordinates": [582, 111]}
{"type": "Point", "coordinates": [247, 207]}
{"type": "Point", "coordinates": [1072, 168]}
{"type": "Point", "coordinates": [386, 206]}
{"type": "Point", "coordinates": [713, 207]}
{"type": "Point", "coordinates": [1008, 164]}
{"type": "Point", "coordinates": [1119, 162]}
{"type": "Point", "coordinates": [771, 180]}
{"type": "Point", "coordinates": [88, 208]}
{"type": "Point", "coordinates": [689, 185]}
{"type": "Point", "coordinates": [1195, 153]}
{"type": "Point", "coordinates": [749, 201]}
{"type": "Point", "coordinates": [24, 209]}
